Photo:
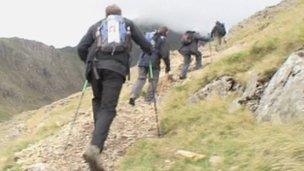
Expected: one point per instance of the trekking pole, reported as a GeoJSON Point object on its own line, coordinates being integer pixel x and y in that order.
{"type": "Point", "coordinates": [154, 98]}
{"type": "Point", "coordinates": [76, 113]}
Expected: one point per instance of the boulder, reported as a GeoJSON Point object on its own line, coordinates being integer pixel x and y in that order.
{"type": "Point", "coordinates": [190, 155]}
{"type": "Point", "coordinates": [283, 99]}
{"type": "Point", "coordinates": [221, 87]}
{"type": "Point", "coordinates": [253, 92]}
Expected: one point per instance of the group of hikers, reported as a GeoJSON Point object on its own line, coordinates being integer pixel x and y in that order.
{"type": "Point", "coordinates": [105, 49]}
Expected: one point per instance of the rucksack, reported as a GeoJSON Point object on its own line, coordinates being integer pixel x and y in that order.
{"type": "Point", "coordinates": [222, 30]}
{"type": "Point", "coordinates": [150, 37]}
{"type": "Point", "coordinates": [187, 38]}
{"type": "Point", "coordinates": [145, 59]}
{"type": "Point", "coordinates": [113, 35]}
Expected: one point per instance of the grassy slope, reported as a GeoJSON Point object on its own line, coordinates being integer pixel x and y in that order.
{"type": "Point", "coordinates": [208, 128]}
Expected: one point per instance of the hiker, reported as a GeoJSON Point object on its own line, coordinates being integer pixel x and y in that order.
{"type": "Point", "coordinates": [158, 39]}
{"type": "Point", "coordinates": [218, 32]}
{"type": "Point", "coordinates": [105, 48]}
{"type": "Point", "coordinates": [190, 42]}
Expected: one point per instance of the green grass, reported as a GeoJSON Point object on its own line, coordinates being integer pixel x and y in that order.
{"type": "Point", "coordinates": [208, 128]}
{"type": "Point", "coordinates": [4, 116]}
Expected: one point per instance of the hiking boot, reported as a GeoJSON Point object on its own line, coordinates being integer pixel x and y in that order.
{"type": "Point", "coordinates": [198, 67]}
{"type": "Point", "coordinates": [182, 77]}
{"type": "Point", "coordinates": [92, 157]}
{"type": "Point", "coordinates": [132, 102]}
{"type": "Point", "coordinates": [149, 100]}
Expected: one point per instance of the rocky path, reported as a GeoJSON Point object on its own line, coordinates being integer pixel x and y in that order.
{"type": "Point", "coordinates": [130, 125]}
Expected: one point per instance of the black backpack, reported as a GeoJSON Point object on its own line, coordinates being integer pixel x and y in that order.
{"type": "Point", "coordinates": [187, 38]}
{"type": "Point", "coordinates": [222, 30]}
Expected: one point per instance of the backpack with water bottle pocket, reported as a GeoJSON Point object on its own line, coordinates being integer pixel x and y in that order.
{"type": "Point", "coordinates": [113, 35]}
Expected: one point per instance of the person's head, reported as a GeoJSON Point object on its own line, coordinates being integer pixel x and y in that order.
{"type": "Point", "coordinates": [113, 10]}
{"type": "Point", "coordinates": [163, 31]}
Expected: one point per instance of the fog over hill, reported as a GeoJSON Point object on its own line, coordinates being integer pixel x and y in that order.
{"type": "Point", "coordinates": [62, 28]}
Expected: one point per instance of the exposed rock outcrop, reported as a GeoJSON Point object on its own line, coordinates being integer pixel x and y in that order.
{"type": "Point", "coordinates": [253, 93]}
{"type": "Point", "coordinates": [221, 87]}
{"type": "Point", "coordinates": [283, 99]}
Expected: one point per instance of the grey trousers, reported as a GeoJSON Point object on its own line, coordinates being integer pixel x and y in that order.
{"type": "Point", "coordinates": [187, 62]}
{"type": "Point", "coordinates": [143, 75]}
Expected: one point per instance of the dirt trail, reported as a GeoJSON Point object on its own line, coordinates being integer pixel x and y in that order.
{"type": "Point", "coordinates": [130, 125]}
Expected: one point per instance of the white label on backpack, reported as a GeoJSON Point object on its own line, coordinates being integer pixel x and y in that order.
{"type": "Point", "coordinates": [113, 31]}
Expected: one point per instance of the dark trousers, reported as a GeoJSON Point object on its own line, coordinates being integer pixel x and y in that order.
{"type": "Point", "coordinates": [106, 92]}
{"type": "Point", "coordinates": [187, 61]}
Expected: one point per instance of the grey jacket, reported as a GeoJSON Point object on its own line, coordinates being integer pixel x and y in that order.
{"type": "Point", "coordinates": [88, 51]}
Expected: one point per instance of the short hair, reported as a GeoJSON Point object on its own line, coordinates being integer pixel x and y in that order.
{"type": "Point", "coordinates": [163, 30]}
{"type": "Point", "coordinates": [113, 10]}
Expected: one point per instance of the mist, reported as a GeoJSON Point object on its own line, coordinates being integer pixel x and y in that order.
{"type": "Point", "coordinates": [63, 22]}
{"type": "Point", "coordinates": [193, 14]}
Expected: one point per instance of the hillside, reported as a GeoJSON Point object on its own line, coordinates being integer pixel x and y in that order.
{"type": "Point", "coordinates": [34, 74]}
{"type": "Point", "coordinates": [210, 121]}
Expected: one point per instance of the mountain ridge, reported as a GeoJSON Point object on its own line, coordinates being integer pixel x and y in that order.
{"type": "Point", "coordinates": [34, 74]}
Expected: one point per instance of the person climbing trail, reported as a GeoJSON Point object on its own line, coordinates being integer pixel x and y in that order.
{"type": "Point", "coordinates": [106, 50]}
{"type": "Point", "coordinates": [190, 42]}
{"type": "Point", "coordinates": [218, 33]}
{"type": "Point", "coordinates": [160, 51]}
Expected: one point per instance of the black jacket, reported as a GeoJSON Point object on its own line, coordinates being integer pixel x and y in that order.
{"type": "Point", "coordinates": [161, 51]}
{"type": "Point", "coordinates": [218, 30]}
{"type": "Point", "coordinates": [193, 47]}
{"type": "Point", "coordinates": [88, 51]}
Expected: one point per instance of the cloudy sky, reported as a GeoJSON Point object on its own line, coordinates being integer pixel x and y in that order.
{"type": "Point", "coordinates": [63, 22]}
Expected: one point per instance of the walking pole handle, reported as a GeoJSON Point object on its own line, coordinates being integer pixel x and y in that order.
{"type": "Point", "coordinates": [151, 70]}
{"type": "Point", "coordinates": [85, 85]}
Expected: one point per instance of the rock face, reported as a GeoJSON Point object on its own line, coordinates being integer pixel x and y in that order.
{"type": "Point", "coordinates": [283, 99]}
{"type": "Point", "coordinates": [253, 93]}
{"type": "Point", "coordinates": [221, 87]}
